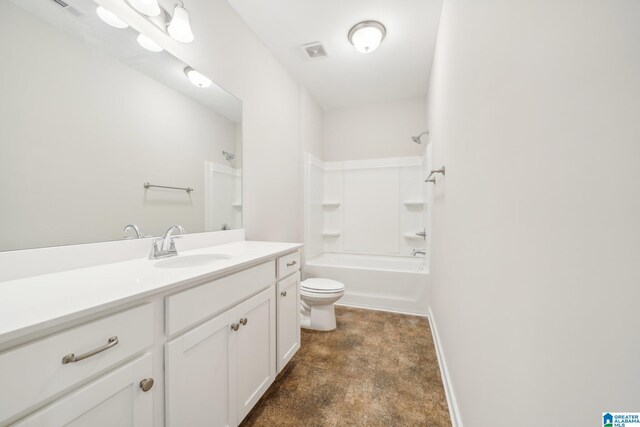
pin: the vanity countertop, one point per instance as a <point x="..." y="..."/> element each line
<point x="31" y="304"/>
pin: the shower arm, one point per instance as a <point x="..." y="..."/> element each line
<point x="435" y="171"/>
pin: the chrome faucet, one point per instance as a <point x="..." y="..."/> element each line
<point x="167" y="245"/>
<point x="135" y="229"/>
<point x="417" y="252"/>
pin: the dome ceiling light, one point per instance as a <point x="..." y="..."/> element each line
<point x="367" y="36"/>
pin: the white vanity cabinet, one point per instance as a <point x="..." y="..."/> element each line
<point x="221" y="339"/>
<point x="216" y="372"/>
<point x="123" y="398"/>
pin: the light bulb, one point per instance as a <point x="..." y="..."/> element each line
<point x="367" y="36"/>
<point x="179" y="27"/>
<point x="110" y="18"/>
<point x="148" y="44"/>
<point x="148" y="7"/>
<point x="196" y="78"/>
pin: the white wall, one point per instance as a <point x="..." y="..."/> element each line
<point x="375" y="130"/>
<point x="534" y="111"/>
<point x="311" y="124"/>
<point x="76" y="151"/>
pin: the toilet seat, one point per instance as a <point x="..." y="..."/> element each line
<point x="322" y="286"/>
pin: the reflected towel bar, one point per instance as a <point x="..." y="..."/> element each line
<point x="187" y="189"/>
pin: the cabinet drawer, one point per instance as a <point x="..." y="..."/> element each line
<point x="288" y="264"/>
<point x="115" y="399"/>
<point x="36" y="371"/>
<point x="188" y="308"/>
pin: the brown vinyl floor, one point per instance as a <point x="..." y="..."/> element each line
<point x="375" y="369"/>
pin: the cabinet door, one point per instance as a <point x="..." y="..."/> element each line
<point x="115" y="399"/>
<point x="198" y="368"/>
<point x="255" y="347"/>
<point x="288" y="296"/>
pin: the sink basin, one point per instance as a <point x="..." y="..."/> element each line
<point x="187" y="261"/>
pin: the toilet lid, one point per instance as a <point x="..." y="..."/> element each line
<point x="322" y="285"/>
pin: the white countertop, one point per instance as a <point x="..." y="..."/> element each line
<point x="34" y="303"/>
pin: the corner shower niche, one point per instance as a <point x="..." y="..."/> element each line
<point x="372" y="207"/>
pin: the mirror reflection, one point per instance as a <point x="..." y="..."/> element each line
<point x="97" y="132"/>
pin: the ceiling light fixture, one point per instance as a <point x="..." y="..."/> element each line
<point x="367" y="36"/>
<point x="110" y="18"/>
<point x="196" y="78"/>
<point x="148" y="7"/>
<point x="148" y="44"/>
<point x="179" y="27"/>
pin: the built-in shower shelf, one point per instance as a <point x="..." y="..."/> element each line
<point x="414" y="203"/>
<point x="412" y="236"/>
<point x="330" y="204"/>
<point x="330" y="234"/>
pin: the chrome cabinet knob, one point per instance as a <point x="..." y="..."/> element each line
<point x="243" y="321"/>
<point x="235" y="326"/>
<point x="146" y="384"/>
<point x="283" y="293"/>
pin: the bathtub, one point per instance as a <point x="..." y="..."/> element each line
<point x="379" y="282"/>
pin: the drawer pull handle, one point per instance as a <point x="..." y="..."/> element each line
<point x="283" y="293"/>
<point x="72" y="358"/>
<point x="235" y="326"/>
<point x="243" y="321"/>
<point x="146" y="384"/>
<point x="292" y="263"/>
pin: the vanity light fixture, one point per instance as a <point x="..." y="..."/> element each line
<point x="148" y="7"/>
<point x="179" y="27"/>
<point x="366" y="36"/>
<point x="148" y="44"/>
<point x="196" y="78"/>
<point x="110" y="18"/>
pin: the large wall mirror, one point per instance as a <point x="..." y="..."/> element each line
<point x="88" y="117"/>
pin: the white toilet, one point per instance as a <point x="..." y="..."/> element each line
<point x="317" y="297"/>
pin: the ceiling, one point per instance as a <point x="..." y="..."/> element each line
<point x="398" y="69"/>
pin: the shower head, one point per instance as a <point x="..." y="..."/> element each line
<point x="417" y="140"/>
<point x="228" y="156"/>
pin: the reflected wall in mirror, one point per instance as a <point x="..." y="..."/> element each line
<point x="87" y="117"/>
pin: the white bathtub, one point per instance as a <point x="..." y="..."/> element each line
<point x="380" y="282"/>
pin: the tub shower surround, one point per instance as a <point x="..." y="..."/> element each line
<point x="364" y="219"/>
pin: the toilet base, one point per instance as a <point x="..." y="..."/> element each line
<point x="319" y="318"/>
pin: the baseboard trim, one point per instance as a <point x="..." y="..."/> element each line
<point x="364" y="307"/>
<point x="454" y="412"/>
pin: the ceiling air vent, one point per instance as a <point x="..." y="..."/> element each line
<point x="67" y="8"/>
<point x="61" y="3"/>
<point x="314" y="50"/>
